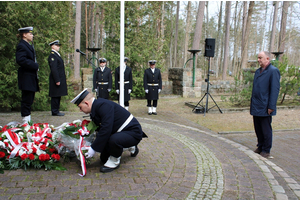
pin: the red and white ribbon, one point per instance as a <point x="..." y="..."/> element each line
<point x="82" y="158"/>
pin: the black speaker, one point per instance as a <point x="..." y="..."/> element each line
<point x="209" y="47"/>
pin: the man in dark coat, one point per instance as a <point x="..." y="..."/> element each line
<point x="266" y="85"/>
<point x="102" y="80"/>
<point x="57" y="78"/>
<point x="27" y="72"/>
<point x="152" y="86"/>
<point x="127" y="82"/>
<point x="118" y="129"/>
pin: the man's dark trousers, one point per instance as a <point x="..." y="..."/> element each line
<point x="263" y="130"/>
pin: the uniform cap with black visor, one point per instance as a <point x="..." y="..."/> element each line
<point x="152" y="62"/>
<point x="79" y="98"/>
<point x="56" y="42"/>
<point x="26" y="29"/>
<point x="102" y="60"/>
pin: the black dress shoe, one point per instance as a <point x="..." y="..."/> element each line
<point x="154" y="113"/>
<point x="135" y="152"/>
<point x="104" y="169"/>
<point x="149" y="113"/>
<point x="58" y="114"/>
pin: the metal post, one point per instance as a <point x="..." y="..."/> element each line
<point x="194" y="55"/>
<point x="121" y="97"/>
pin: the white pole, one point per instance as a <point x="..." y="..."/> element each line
<point x="122" y="67"/>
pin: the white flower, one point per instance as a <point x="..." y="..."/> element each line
<point x="27" y="128"/>
<point x="2" y="145"/>
<point x="21" y="134"/>
<point x="21" y="152"/>
<point x="6" y="140"/>
<point x="39" y="151"/>
<point x="77" y="121"/>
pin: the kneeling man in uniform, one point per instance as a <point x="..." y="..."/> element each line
<point x="118" y="129"/>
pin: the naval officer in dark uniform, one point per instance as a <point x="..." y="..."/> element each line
<point x="127" y="82"/>
<point x="118" y="129"/>
<point x="27" y="72"/>
<point x="152" y="86"/>
<point x="57" y="78"/>
<point x="102" y="80"/>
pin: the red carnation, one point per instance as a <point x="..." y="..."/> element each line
<point x="43" y="147"/>
<point x="85" y="122"/>
<point x="6" y="144"/>
<point x="2" y="154"/>
<point x="31" y="156"/>
<point x="52" y="150"/>
<point x="33" y="150"/>
<point x="1" y="138"/>
<point x="55" y="156"/>
<point x="42" y="157"/>
<point x="24" y="156"/>
<point x="47" y="157"/>
<point x="49" y="135"/>
<point x="36" y="143"/>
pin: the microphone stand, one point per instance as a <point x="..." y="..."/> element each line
<point x="88" y="60"/>
<point x="83" y="55"/>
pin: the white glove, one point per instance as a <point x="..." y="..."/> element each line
<point x="108" y="90"/>
<point x="90" y="153"/>
<point x="95" y="90"/>
<point x="159" y="90"/>
<point x="147" y="91"/>
<point x="118" y="91"/>
<point x="129" y="91"/>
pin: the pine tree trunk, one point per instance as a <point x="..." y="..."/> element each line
<point x="226" y="48"/>
<point x="77" y="41"/>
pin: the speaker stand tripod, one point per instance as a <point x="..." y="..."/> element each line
<point x="206" y="109"/>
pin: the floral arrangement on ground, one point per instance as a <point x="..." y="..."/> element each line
<point x="42" y="145"/>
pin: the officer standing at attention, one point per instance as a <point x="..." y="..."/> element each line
<point x="152" y="86"/>
<point x="102" y="80"/>
<point x="118" y="129"/>
<point x="57" y="78"/>
<point x="27" y="72"/>
<point x="127" y="82"/>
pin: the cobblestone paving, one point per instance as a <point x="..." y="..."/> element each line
<point x="177" y="161"/>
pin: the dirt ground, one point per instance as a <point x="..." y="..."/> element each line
<point x="214" y="120"/>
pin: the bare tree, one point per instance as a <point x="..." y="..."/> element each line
<point x="198" y="28"/>
<point x="245" y="15"/>
<point x="244" y="58"/>
<point x="219" y="36"/>
<point x="226" y="48"/>
<point x="275" y="4"/>
<point x="176" y="34"/>
<point x="92" y="24"/>
<point x="187" y="31"/>
<point x="77" y="40"/>
<point x="263" y="28"/>
<point x="86" y="29"/>
<point x="97" y="32"/>
<point x="283" y="26"/>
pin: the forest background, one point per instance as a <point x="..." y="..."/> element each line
<point x="160" y="30"/>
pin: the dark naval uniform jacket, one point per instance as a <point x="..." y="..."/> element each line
<point x="152" y="82"/>
<point x="27" y="72"/>
<point x="57" y="74"/>
<point x="266" y="86"/>
<point x="110" y="116"/>
<point x="127" y="81"/>
<point x="102" y="81"/>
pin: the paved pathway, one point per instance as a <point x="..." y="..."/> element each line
<point x="177" y="161"/>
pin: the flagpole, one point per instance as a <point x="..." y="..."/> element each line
<point x="122" y="67"/>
